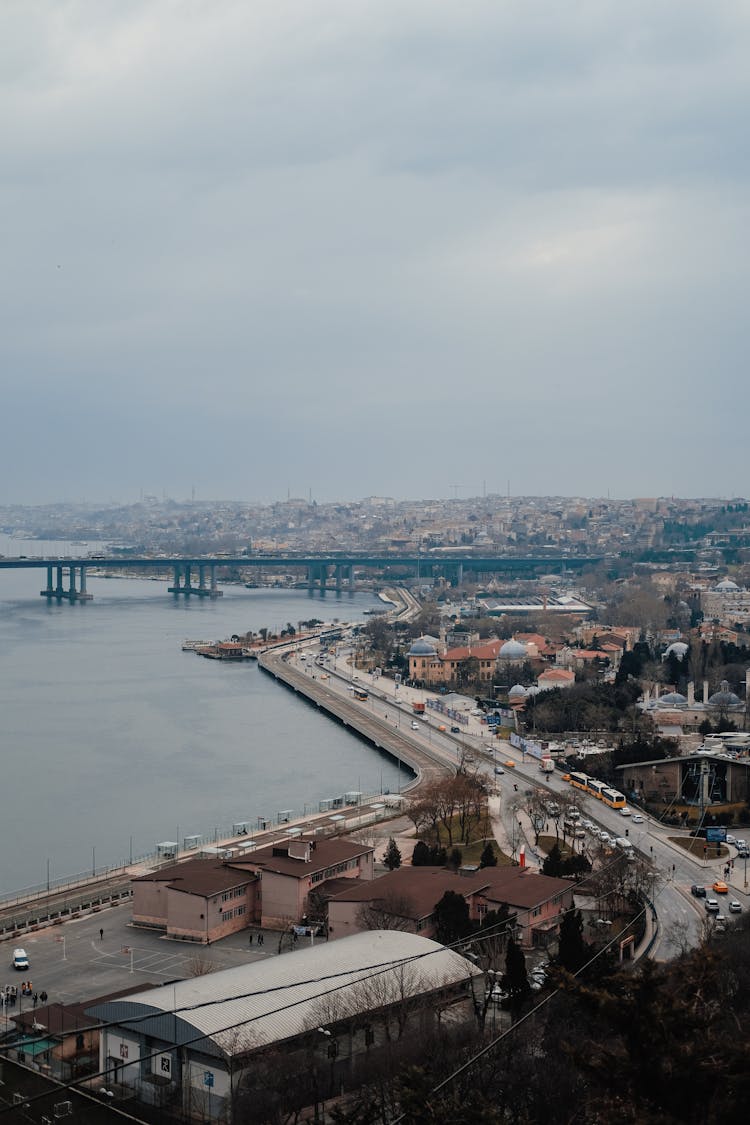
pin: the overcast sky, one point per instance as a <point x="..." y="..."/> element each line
<point x="353" y="247"/>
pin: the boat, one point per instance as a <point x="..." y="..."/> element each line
<point x="193" y="646"/>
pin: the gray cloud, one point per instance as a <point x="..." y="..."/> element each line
<point x="338" y="236"/>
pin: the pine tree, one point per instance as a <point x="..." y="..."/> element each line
<point x="392" y="857"/>
<point x="571" y="951"/>
<point x="488" y="857"/>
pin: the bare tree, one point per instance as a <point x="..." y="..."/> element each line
<point x="391" y="912"/>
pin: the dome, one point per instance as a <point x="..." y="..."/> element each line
<point x="726" y="586"/>
<point x="673" y="699"/>
<point x="678" y="649"/>
<point x="512" y="650"/>
<point x="518" y="691"/>
<point x="724" y="697"/>
<point x="421" y="647"/>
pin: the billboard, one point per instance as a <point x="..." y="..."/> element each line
<point x="716" y="835"/>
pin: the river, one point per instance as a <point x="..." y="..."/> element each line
<point x="114" y="740"/>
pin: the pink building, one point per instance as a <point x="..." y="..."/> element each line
<point x="199" y="900"/>
<point x="412" y="893"/>
<point x="206" y="899"/>
<point x="290" y="872"/>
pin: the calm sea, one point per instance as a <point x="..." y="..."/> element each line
<point x="114" y="740"/>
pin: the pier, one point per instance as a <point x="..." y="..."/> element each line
<point x="184" y="571"/>
<point x="59" y="590"/>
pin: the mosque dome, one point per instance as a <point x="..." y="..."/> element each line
<point x="512" y="650"/>
<point x="724" y="697"/>
<point x="678" y="649"/>
<point x="673" y="699"/>
<point x="518" y="691"/>
<point x="421" y="647"/>
<point x="726" y="586"/>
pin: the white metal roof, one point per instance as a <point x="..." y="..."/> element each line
<point x="285" y="996"/>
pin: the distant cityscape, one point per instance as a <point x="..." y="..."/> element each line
<point x="705" y="531"/>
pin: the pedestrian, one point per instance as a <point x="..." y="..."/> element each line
<point x="101" y="935"/>
<point x="43" y="996"/>
<point x="294" y="937"/>
<point x="34" y="1000"/>
<point x="260" y="939"/>
<point x="250" y="939"/>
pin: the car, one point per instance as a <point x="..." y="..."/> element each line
<point x="624" y="811"/>
<point x="587" y="824"/>
<point x="735" y="907"/>
<point x="741" y="845"/>
<point x="730" y="839"/>
<point x="509" y="765"/>
<point x="697" y="891"/>
<point x="20" y="960"/>
<point x="711" y="905"/>
<point x="414" y="724"/>
<point x="455" y="730"/>
<point x="442" y="727"/>
<point x="720" y="887"/>
<point x="499" y="769"/>
<point x="637" y="818"/>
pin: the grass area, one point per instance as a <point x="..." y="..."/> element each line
<point x="694" y="845"/>
<point x="547" y="843"/>
<point x="472" y="853"/>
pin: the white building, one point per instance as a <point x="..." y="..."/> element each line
<point x="192" y="1044"/>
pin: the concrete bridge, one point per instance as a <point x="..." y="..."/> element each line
<point x="66" y="577"/>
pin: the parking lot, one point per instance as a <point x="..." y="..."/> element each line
<point x="101" y="953"/>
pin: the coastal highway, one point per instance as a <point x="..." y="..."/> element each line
<point x="392" y="734"/>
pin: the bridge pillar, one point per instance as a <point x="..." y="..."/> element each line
<point x="460" y="574"/>
<point x="323" y="577"/>
<point x="310" y="577"/>
<point x="215" y="592"/>
<point x="201" y="578"/>
<point x="188" y="589"/>
<point x="72" y="583"/>
<point x="177" y="572"/>
<point x="59" y="592"/>
<point x="350" y="576"/>
<point x="50" y="589"/>
<point x="339" y="576"/>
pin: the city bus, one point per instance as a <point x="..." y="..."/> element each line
<point x="579" y="781"/>
<point x="361" y="694"/>
<point x="614" y="799"/>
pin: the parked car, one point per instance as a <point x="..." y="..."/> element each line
<point x="735" y="907"/>
<point x="712" y="906"/>
<point x="720" y="887"/>
<point x="741" y="845"/>
<point x="698" y="891"/>
<point x="730" y="839"/>
<point x="20" y="960"/>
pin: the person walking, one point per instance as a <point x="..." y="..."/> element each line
<point x="101" y="935"/>
<point x="250" y="940"/>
